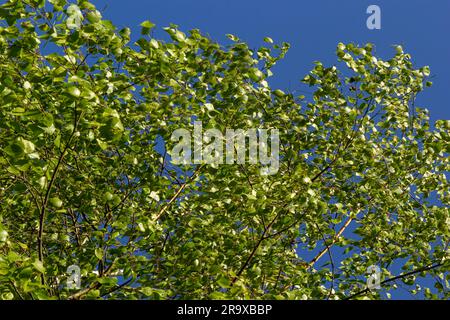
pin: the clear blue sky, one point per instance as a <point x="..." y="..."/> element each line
<point x="313" y="28"/>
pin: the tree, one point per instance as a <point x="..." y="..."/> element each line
<point x="86" y="178"/>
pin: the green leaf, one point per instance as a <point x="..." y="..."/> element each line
<point x="3" y="235"/>
<point x="93" y="16"/>
<point x="209" y="106"/>
<point x="223" y="282"/>
<point x="256" y="74"/>
<point x="103" y="145"/>
<point x="99" y="253"/>
<point x="39" y="266"/>
<point x="279" y="93"/>
<point x="146" y="27"/>
<point x="56" y="202"/>
<point x="74" y="91"/>
<point x="27" y="146"/>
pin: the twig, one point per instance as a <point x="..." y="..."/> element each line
<point x="398" y="277"/>
<point x="175" y="196"/>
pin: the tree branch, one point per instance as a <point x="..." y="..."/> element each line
<point x="47" y="195"/>
<point x="397" y="278"/>
<point x="328" y="246"/>
<point x="175" y="196"/>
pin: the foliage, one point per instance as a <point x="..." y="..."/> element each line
<point x="85" y="179"/>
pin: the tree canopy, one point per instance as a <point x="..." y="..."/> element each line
<point x="86" y="178"/>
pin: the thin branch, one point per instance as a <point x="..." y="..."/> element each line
<point x="47" y="195"/>
<point x="117" y="287"/>
<point x="95" y="285"/>
<point x="78" y="295"/>
<point x="419" y="270"/>
<point x="16" y="290"/>
<point x="327" y="247"/>
<point x="175" y="196"/>
<point x="255" y="248"/>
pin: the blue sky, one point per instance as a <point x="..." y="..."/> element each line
<point x="313" y="28"/>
